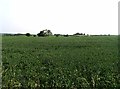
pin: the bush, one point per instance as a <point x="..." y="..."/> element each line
<point x="27" y="34"/>
<point x="66" y="35"/>
<point x="56" y="35"/>
<point x="41" y="33"/>
<point x="34" y="35"/>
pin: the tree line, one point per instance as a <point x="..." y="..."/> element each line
<point x="46" y="32"/>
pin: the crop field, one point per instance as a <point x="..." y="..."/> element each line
<point x="60" y="62"/>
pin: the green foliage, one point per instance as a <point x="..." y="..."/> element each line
<point x="45" y="33"/>
<point x="27" y="34"/>
<point x="72" y="62"/>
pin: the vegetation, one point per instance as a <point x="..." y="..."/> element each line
<point x="72" y="62"/>
<point x="79" y="34"/>
<point x="45" y="33"/>
<point x="28" y="34"/>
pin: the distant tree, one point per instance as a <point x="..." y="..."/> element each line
<point x="27" y="34"/>
<point x="56" y="35"/>
<point x="45" y="33"/>
<point x="19" y="34"/>
<point x="41" y="33"/>
<point x="34" y="35"/>
<point x="87" y="34"/>
<point x="66" y="35"/>
<point x="48" y="31"/>
<point x="79" y="34"/>
<point x="8" y="34"/>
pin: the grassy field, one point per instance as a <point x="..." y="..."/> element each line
<point x="72" y="62"/>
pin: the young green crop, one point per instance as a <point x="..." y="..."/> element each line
<point x="72" y="62"/>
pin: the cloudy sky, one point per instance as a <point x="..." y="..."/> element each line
<point x="60" y="16"/>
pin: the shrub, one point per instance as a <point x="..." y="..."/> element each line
<point x="34" y="35"/>
<point x="27" y="34"/>
<point x="66" y="35"/>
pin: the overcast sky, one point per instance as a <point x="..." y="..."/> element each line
<point x="59" y="16"/>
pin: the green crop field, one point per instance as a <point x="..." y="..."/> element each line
<point x="60" y="62"/>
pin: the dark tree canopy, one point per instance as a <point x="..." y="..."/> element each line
<point x="45" y="33"/>
<point x="41" y="33"/>
<point x="27" y="34"/>
<point x="79" y="34"/>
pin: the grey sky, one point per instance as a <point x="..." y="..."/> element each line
<point x="60" y="16"/>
